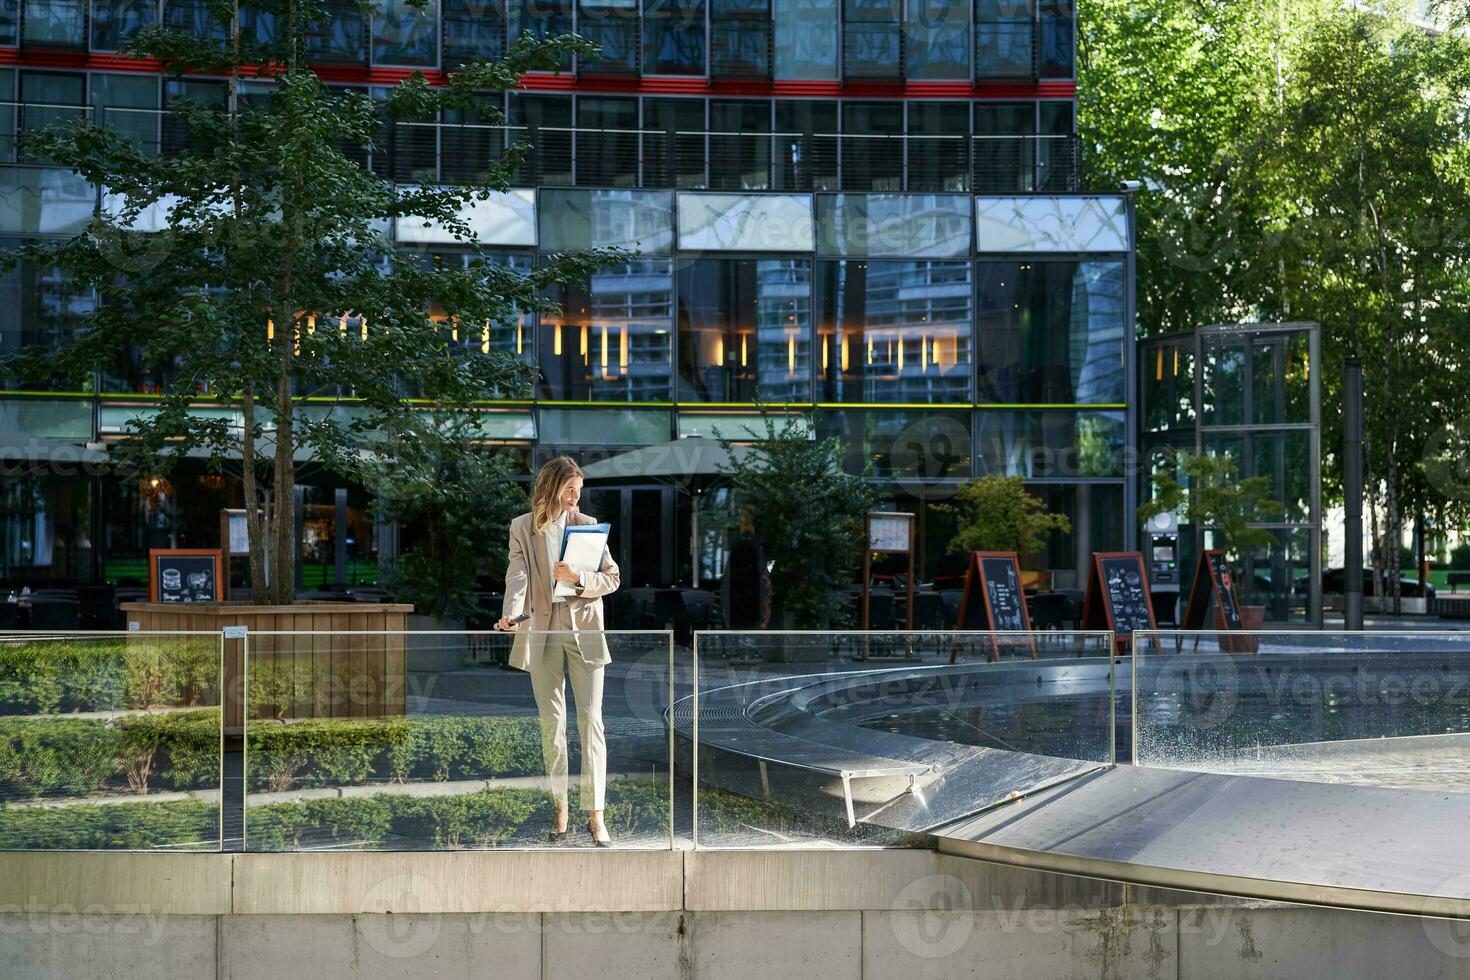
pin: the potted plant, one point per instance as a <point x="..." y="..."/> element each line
<point x="996" y="513"/>
<point x="1212" y="496"/>
<point x="256" y="258"/>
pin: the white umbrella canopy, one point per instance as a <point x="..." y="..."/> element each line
<point x="670" y="462"/>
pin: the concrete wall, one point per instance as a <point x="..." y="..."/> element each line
<point x="768" y="915"/>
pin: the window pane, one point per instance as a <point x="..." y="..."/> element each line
<point x="806" y="39"/>
<point x="745" y="330"/>
<point x="806" y="147"/>
<point x="47" y="98"/>
<point x="1050" y="333"/>
<point x="406" y="35"/>
<point x="575" y="220"/>
<point x="612" y="341"/>
<point x="114" y="21"/>
<point x="740" y="38"/>
<point x="174" y="129"/>
<point x="543" y="18"/>
<point x="872" y="155"/>
<point x="193" y="17"/>
<point x="938" y="152"/>
<point x="1003" y="38"/>
<point x="1058" y="24"/>
<point x="922" y="444"/>
<point x="872" y="39"/>
<point x="673" y="37"/>
<point x="39" y="307"/>
<point x="128" y="104"/>
<point x="339" y="36"/>
<point x="472" y="29"/>
<point x="544" y="121"/>
<point x="893" y="331"/>
<point x="9" y="21"/>
<point x="607" y="142"/>
<point x="56" y="23"/>
<point x="938" y="39"/>
<point x="740" y="145"/>
<point x="677" y="153"/>
<point x="613" y="25"/>
<point x="1051" y="445"/>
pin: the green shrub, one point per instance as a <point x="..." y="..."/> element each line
<point x="132" y="826"/>
<point x="1460" y="557"/>
<point x="43" y="676"/>
<point x="56" y="756"/>
<point x="181" y="748"/>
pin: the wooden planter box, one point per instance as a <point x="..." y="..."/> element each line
<point x="324" y="673"/>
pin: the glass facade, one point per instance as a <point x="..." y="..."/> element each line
<point x="910" y="270"/>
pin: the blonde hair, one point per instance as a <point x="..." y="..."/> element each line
<point x="554" y="475"/>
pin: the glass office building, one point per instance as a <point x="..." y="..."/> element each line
<point x="870" y="213"/>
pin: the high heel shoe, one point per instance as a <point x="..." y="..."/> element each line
<point x="598" y="841"/>
<point x="558" y="836"/>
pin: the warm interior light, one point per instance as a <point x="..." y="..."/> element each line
<point x="719" y="356"/>
<point x="485" y="338"/>
<point x="742" y="350"/>
<point x="842" y="357"/>
<point x="270" y="330"/>
<point x="583" y="348"/>
<point x="900" y="355"/>
<point x="311" y="323"/>
<point x="1176" y="362"/>
<point x="824" y="353"/>
<point x="520" y="323"/>
<point x="604" y="350"/>
<point x="362" y="329"/>
<point x="1159" y="366"/>
<point x="556" y="339"/>
<point x="791" y="353"/>
<point x="923" y="352"/>
<point x="870" y="350"/>
<point x="454" y="329"/>
<point x="623" y="348"/>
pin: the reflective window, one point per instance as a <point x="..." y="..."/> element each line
<point x="405" y="34"/>
<point x="9" y="21"/>
<point x="544" y="121"/>
<point x="745" y="330"/>
<point x="1050" y="445"/>
<point x="1058" y="20"/>
<point x="893" y="331"/>
<point x="39" y="307"/>
<point x="805" y="151"/>
<point x="806" y="39"/>
<point x="872" y="39"/>
<point x="55" y="23"/>
<point x="872" y="152"/>
<point x="739" y="145"/>
<point x="543" y="18"/>
<point x="938" y="146"/>
<point x="613" y="338"/>
<point x="914" y="444"/>
<point x="576" y="220"/>
<point x="339" y="35"/>
<point x="675" y="153"/>
<point x="1005" y="150"/>
<point x="608" y="142"/>
<point x="128" y="104"/>
<point x="613" y="26"/>
<point x="1003" y="35"/>
<point x="472" y="29"/>
<point x="938" y="39"/>
<point x="1050" y="333"/>
<point x="177" y="94"/>
<point x="194" y="17"/>
<point x="50" y="99"/>
<point x="673" y="37"/>
<point x="740" y="38"/>
<point x="114" y="21"/>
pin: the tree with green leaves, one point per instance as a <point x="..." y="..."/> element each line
<point x="1211" y="495"/>
<point x="996" y="513"/>
<point x="807" y="515"/>
<point x="455" y="499"/>
<point x="274" y="290"/>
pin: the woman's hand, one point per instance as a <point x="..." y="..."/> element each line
<point x="506" y="623"/>
<point x="563" y="572"/>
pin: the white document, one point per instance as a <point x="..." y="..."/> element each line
<point x="582" y="546"/>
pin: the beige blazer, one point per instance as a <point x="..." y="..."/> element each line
<point x="528" y="590"/>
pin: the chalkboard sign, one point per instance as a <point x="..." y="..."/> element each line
<point x="184" y="574"/>
<point x="995" y="600"/>
<point x="1212" y="580"/>
<point x="1117" y="595"/>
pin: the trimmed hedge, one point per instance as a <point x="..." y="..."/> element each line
<point x="96" y="827"/>
<point x="346" y="752"/>
<point x="44" y="676"/>
<point x="80" y="756"/>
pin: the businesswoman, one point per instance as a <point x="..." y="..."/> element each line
<point x="575" y="646"/>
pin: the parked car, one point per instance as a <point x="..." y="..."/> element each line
<point x="1333" y="578"/>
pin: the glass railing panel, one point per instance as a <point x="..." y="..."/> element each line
<point x="861" y="739"/>
<point x="435" y="741"/>
<point x="110" y="741"/>
<point x="1375" y="708"/>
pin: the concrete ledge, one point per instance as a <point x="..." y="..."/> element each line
<point x="102" y="882"/>
<point x="877" y="880"/>
<point x="458" y="881"/>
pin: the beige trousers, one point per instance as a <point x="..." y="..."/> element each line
<point x="560" y="658"/>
